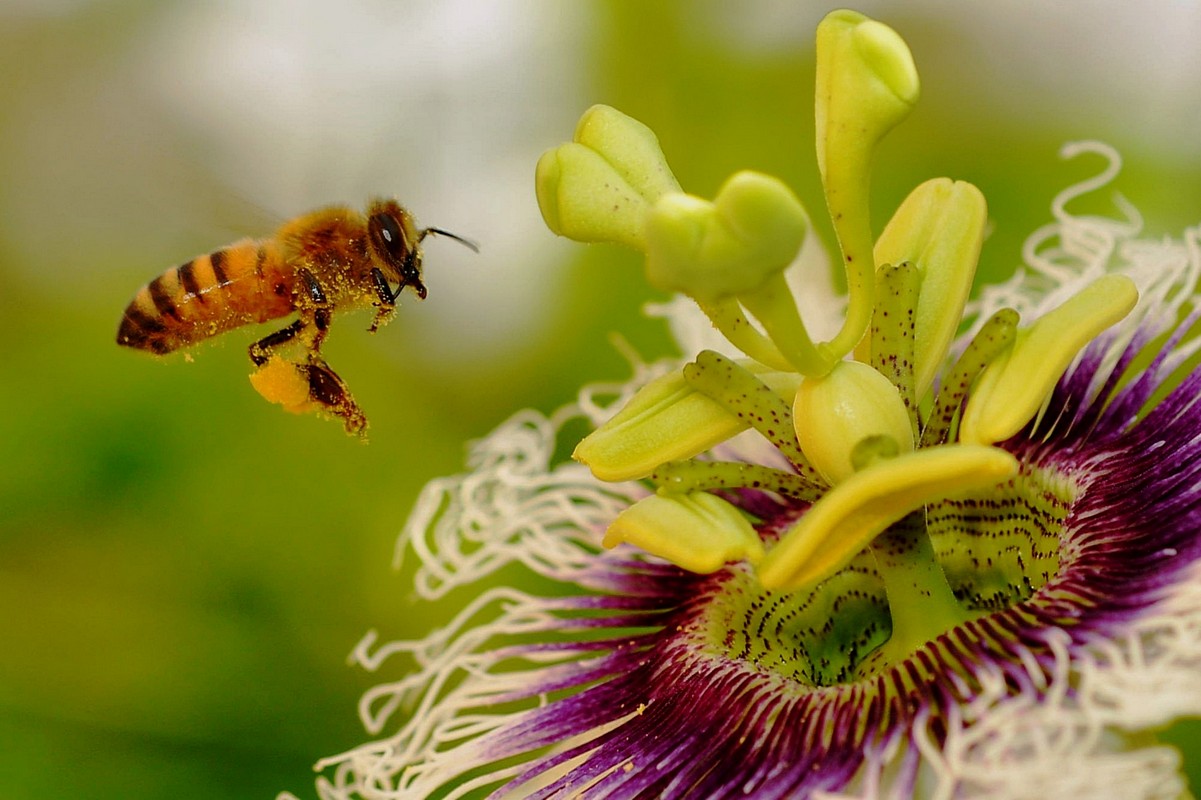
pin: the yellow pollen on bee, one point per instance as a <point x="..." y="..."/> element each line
<point x="279" y="381"/>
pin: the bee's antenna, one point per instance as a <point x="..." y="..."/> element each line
<point x="438" y="231"/>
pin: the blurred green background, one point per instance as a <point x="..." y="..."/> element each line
<point x="183" y="567"/>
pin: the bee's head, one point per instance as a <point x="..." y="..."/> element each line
<point x="395" y="244"/>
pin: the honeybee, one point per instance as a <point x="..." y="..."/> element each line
<point x="334" y="259"/>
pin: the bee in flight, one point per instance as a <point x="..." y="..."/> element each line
<point x="330" y="260"/>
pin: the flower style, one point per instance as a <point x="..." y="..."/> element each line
<point x="951" y="551"/>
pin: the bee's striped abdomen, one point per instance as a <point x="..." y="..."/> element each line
<point x="240" y="284"/>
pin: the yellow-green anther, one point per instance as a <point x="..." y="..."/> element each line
<point x="866" y="84"/>
<point x="1014" y="387"/>
<point x="667" y="420"/>
<point x="855" y="511"/>
<point x="698" y="531"/>
<point x="832" y="414"/>
<point x="995" y="336"/>
<point x="939" y="230"/>
<point x="599" y="187"/>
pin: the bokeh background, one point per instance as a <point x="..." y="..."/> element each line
<point x="184" y="568"/>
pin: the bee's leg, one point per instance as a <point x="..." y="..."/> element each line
<point x="386" y="299"/>
<point x="260" y="351"/>
<point x="327" y="389"/>
<point x="317" y="311"/>
<point x="315" y="315"/>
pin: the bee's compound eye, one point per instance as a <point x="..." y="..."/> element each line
<point x="389" y="238"/>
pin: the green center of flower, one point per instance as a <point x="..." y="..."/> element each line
<point x="991" y="549"/>
<point x="876" y="446"/>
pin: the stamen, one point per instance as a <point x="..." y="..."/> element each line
<point x="1013" y="387"/>
<point x="993" y="338"/>
<point x="856" y="510"/>
<point x="697" y="531"/>
<point x="939" y="229"/>
<point x="671" y="419"/>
